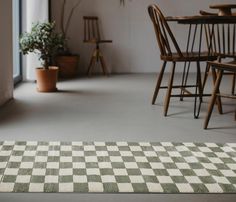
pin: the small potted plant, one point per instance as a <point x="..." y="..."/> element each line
<point x="45" y="42"/>
<point x="65" y="60"/>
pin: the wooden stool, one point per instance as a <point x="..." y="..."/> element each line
<point x="92" y="36"/>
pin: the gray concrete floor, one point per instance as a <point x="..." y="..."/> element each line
<point x="116" y="108"/>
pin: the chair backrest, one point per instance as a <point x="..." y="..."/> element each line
<point x="91" y="29"/>
<point x="165" y="38"/>
<point x="223" y="39"/>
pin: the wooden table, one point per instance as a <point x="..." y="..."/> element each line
<point x="224" y="9"/>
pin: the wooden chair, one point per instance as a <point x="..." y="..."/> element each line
<point x="92" y="36"/>
<point x="222" y="42"/>
<point x="221" y="67"/>
<point x="171" y="52"/>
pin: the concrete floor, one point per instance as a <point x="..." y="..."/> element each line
<point x="116" y="108"/>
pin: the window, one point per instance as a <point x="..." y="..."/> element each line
<point x="17" y="73"/>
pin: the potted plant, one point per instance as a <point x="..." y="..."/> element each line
<point x="45" y="42"/>
<point x="65" y="60"/>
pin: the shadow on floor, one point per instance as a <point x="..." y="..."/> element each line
<point x="13" y="110"/>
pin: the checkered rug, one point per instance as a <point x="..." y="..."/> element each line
<point x="117" y="167"/>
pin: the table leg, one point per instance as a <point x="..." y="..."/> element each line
<point x="198" y="92"/>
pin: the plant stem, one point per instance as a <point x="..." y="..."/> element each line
<point x="122" y="2"/>
<point x="70" y="16"/>
<point x="62" y="17"/>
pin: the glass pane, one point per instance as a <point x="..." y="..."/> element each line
<point x="16" y="34"/>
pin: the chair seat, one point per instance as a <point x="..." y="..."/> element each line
<point x="95" y="41"/>
<point x="229" y="66"/>
<point x="225" y="55"/>
<point x="193" y="56"/>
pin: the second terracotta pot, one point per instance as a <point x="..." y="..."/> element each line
<point x="68" y="66"/>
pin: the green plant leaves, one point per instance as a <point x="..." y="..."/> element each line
<point x="42" y="40"/>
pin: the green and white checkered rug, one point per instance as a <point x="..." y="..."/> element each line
<point x="117" y="167"/>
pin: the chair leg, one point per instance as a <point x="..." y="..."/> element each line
<point x="169" y="90"/>
<point x="213" y="98"/>
<point x="103" y="64"/>
<point x="159" y="80"/>
<point x="184" y="79"/>
<point x="205" y="76"/>
<point x="218" y="99"/>
<point x="92" y="62"/>
<point x="233" y="84"/>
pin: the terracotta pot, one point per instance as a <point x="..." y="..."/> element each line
<point x="68" y="66"/>
<point x="47" y="79"/>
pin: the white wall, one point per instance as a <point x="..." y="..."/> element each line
<point x="6" y="54"/>
<point x="134" y="47"/>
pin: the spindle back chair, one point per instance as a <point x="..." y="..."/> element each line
<point x="222" y="43"/>
<point x="170" y="52"/>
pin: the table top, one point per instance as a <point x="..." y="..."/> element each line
<point x="203" y="19"/>
<point x="219" y="6"/>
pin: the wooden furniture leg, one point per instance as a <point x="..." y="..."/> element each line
<point x="184" y="79"/>
<point x="233" y="84"/>
<point x="200" y="86"/>
<point x="103" y="64"/>
<point x="169" y="90"/>
<point x="198" y="92"/>
<point x="206" y="76"/>
<point x="213" y="98"/>
<point x="159" y="80"/>
<point x="92" y="62"/>
<point x="218" y="99"/>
